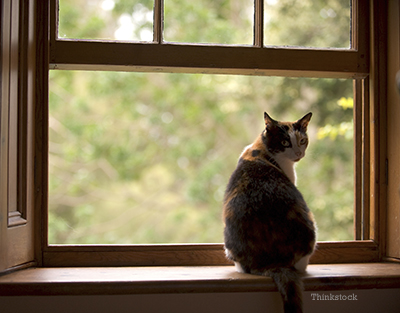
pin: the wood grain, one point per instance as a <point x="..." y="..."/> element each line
<point x="95" y="55"/>
<point x="191" y="255"/>
<point x="393" y="115"/>
<point x="150" y="280"/>
<point x="18" y="93"/>
<point x="378" y="119"/>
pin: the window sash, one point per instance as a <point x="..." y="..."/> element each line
<point x="244" y="60"/>
<point x="258" y="59"/>
<point x="357" y="7"/>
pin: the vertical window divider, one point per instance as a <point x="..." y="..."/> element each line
<point x="365" y="235"/>
<point x="47" y="23"/>
<point x="358" y="159"/>
<point x="361" y="159"/>
<point x="54" y="15"/>
<point x="353" y="24"/>
<point x="258" y="39"/>
<point x="158" y="27"/>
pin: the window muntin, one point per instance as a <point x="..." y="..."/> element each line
<point x="139" y="158"/>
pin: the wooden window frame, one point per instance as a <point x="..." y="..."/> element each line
<point x="364" y="62"/>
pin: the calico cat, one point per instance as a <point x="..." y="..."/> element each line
<point x="269" y="229"/>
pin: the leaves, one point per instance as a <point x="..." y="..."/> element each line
<point x="344" y="129"/>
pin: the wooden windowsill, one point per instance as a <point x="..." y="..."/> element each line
<point x="195" y="279"/>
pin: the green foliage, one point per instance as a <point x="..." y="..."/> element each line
<point x="307" y="23"/>
<point x="343" y="129"/>
<point x="145" y="157"/>
<point x="185" y="21"/>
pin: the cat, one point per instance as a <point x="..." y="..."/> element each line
<point x="269" y="229"/>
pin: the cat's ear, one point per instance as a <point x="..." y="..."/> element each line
<point x="269" y="122"/>
<point x="305" y="120"/>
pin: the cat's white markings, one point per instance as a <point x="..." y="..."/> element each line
<point x="287" y="166"/>
<point x="295" y="146"/>
<point x="301" y="265"/>
<point x="287" y="158"/>
<point x="239" y="267"/>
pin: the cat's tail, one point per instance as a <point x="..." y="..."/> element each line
<point x="290" y="286"/>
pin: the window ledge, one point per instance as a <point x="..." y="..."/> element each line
<point x="195" y="279"/>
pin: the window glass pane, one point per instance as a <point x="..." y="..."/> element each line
<point x="209" y="21"/>
<point x="145" y="157"/>
<point x="106" y="19"/>
<point x="307" y="23"/>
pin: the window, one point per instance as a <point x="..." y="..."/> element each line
<point x="145" y="157"/>
<point x="253" y="59"/>
<point x="222" y="58"/>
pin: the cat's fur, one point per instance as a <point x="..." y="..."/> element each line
<point x="269" y="229"/>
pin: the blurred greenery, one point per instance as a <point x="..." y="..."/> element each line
<point x="145" y="157"/>
<point x="187" y="23"/>
<point x="311" y="23"/>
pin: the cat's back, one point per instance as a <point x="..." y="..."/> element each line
<point x="258" y="179"/>
<point x="262" y="209"/>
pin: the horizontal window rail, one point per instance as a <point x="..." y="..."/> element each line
<point x="190" y="254"/>
<point x="94" y="55"/>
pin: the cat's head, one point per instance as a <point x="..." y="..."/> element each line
<point x="286" y="139"/>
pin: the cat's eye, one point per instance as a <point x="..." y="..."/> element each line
<point x="285" y="143"/>
<point x="303" y="141"/>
